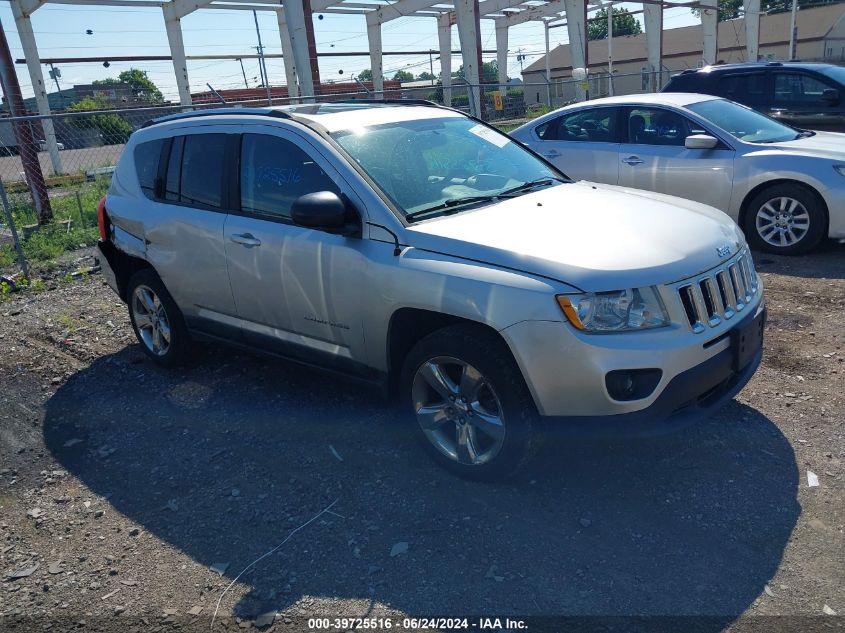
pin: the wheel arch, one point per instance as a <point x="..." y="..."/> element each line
<point x="124" y="266"/>
<point x="407" y="326"/>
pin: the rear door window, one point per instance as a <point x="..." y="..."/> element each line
<point x="595" y="125"/>
<point x="747" y="88"/>
<point x="147" y="158"/>
<point x="202" y="171"/>
<point x="195" y="171"/>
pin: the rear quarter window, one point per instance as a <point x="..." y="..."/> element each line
<point x="147" y="156"/>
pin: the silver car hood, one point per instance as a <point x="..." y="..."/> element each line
<point x="592" y="236"/>
<point x="821" y="145"/>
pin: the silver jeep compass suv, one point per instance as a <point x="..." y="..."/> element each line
<point x="416" y="247"/>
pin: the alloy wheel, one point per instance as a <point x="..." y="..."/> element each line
<point x="151" y="320"/>
<point x="458" y="410"/>
<point x="782" y="221"/>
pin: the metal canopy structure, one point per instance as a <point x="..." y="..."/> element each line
<point x="296" y="32"/>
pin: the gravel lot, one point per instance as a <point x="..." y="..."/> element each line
<point x="132" y="496"/>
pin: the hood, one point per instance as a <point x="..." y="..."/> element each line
<point x="595" y="237"/>
<point x="821" y="145"/>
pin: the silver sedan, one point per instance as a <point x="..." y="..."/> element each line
<point x="785" y="187"/>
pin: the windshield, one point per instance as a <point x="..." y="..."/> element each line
<point x="743" y="123"/>
<point x="439" y="165"/>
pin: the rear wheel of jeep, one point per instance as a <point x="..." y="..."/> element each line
<point x="472" y="409"/>
<point x="156" y="319"/>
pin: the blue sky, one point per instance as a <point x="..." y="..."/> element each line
<point x="60" y="32"/>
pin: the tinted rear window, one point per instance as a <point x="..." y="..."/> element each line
<point x="745" y="88"/>
<point x="202" y="170"/>
<point x="195" y="170"/>
<point x="147" y="157"/>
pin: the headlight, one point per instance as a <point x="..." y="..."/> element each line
<point x="617" y="311"/>
<point x="840" y="169"/>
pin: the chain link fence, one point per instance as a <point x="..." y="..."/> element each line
<point x="53" y="195"/>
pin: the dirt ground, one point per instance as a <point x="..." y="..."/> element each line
<point x="132" y="497"/>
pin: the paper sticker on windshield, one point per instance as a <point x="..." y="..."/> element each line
<point x="499" y="140"/>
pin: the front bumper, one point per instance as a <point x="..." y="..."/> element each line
<point x="566" y="374"/>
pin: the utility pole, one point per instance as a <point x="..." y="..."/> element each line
<point x="55" y="73"/>
<point x="520" y="57"/>
<point x="431" y="65"/>
<point x="23" y="133"/>
<point x="793" y="32"/>
<point x="262" y="60"/>
<point x="246" y="83"/>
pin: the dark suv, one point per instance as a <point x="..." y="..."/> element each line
<point x="800" y="94"/>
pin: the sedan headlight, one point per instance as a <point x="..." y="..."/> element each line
<point x="617" y="311"/>
<point x="840" y="169"/>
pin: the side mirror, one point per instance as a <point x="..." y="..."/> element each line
<point x="831" y="95"/>
<point x="700" y="141"/>
<point x="325" y="211"/>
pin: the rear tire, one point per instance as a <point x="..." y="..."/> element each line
<point x="156" y="320"/>
<point x="470" y="406"/>
<point x="785" y="219"/>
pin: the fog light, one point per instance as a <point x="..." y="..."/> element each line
<point x="632" y="384"/>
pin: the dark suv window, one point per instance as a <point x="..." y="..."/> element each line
<point x="274" y="173"/>
<point x="799" y="88"/>
<point x="195" y="170"/>
<point x="147" y="157"/>
<point x="747" y="88"/>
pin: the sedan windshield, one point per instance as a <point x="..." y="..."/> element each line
<point x="743" y="123"/>
<point x="435" y="166"/>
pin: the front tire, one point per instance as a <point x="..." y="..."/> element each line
<point x="785" y="219"/>
<point x="156" y="320"/>
<point x="471" y="408"/>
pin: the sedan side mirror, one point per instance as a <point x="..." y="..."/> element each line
<point x="700" y="141"/>
<point x="325" y="211"/>
<point x="831" y="95"/>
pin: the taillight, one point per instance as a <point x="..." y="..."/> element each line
<point x="101" y="219"/>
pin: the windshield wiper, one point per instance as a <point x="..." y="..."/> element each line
<point x="451" y="203"/>
<point x="804" y="134"/>
<point x="527" y="186"/>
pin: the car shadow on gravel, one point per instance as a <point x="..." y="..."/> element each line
<point x="827" y="261"/>
<point x="223" y="458"/>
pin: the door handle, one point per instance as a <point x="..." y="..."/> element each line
<point x="632" y="160"/>
<point x="552" y="154"/>
<point x="245" y="239"/>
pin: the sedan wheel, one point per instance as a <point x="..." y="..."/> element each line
<point x="785" y="218"/>
<point x="458" y="410"/>
<point x="782" y="222"/>
<point x="151" y="319"/>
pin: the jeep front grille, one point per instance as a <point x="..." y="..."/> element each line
<point x="719" y="294"/>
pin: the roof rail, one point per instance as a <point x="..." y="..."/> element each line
<point x="271" y="112"/>
<point x="417" y="102"/>
<point x="774" y="64"/>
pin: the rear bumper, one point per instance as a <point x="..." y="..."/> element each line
<point x="108" y="258"/>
